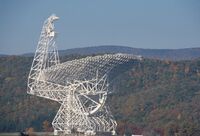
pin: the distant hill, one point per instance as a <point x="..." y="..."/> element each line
<point x="163" y="54"/>
<point x="3" y="55"/>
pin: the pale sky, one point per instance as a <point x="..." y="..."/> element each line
<point x="155" y="24"/>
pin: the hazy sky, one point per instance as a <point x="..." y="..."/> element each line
<point x="135" y="23"/>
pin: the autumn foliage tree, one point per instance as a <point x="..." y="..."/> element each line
<point x="46" y="126"/>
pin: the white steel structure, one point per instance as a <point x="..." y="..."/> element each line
<point x="80" y="86"/>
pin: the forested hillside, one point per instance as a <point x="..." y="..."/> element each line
<point x="150" y="97"/>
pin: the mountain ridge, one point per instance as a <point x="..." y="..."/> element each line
<point x="163" y="54"/>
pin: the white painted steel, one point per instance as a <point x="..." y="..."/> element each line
<point x="80" y="85"/>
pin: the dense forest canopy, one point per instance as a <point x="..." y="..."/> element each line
<point x="151" y="97"/>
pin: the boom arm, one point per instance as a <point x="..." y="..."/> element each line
<point x="46" y="54"/>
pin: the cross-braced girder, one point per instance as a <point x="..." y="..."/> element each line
<point x="80" y="85"/>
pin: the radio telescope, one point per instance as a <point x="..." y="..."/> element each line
<point x="80" y="85"/>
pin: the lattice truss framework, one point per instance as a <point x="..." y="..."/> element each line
<point x="80" y="85"/>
